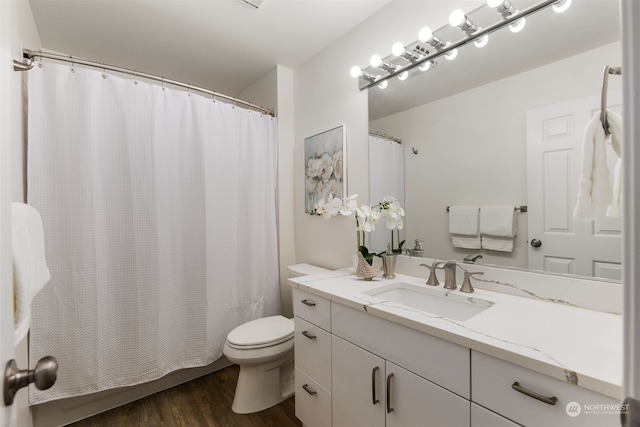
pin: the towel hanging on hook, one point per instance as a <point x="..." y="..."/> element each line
<point x="603" y="99"/>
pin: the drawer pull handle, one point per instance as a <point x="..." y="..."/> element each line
<point x="309" y="303"/>
<point x="309" y="335"/>
<point x="389" y="408"/>
<point x="548" y="400"/>
<point x="309" y="390"/>
<point x="373" y="385"/>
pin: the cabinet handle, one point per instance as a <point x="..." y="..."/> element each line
<point x="389" y="408"/>
<point x="309" y="303"/>
<point x="373" y="385"/>
<point x="548" y="400"/>
<point x="309" y="335"/>
<point x="309" y="390"/>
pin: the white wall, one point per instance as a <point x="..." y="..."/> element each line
<point x="326" y="96"/>
<point x="275" y="91"/>
<point x="472" y="147"/>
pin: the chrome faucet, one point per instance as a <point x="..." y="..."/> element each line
<point x="471" y="258"/>
<point x="449" y="274"/>
<point x="466" y="282"/>
<point x="433" y="279"/>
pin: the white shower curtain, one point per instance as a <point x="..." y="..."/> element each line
<point x="160" y="226"/>
<point x="386" y="178"/>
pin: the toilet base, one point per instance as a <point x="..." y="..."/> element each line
<point x="262" y="386"/>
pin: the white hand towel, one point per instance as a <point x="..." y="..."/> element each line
<point x="463" y="226"/>
<point x="30" y="271"/>
<point x="615" y="127"/>
<point x="594" y="186"/>
<point x="498" y="227"/>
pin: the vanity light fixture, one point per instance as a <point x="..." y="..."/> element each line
<point x="418" y="56"/>
<point x="561" y="6"/>
<point x="506" y="9"/>
<point x="425" y="35"/>
<point x="459" y="19"/>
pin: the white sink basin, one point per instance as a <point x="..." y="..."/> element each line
<point x="451" y="305"/>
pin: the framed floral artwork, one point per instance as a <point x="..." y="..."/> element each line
<point x="324" y="170"/>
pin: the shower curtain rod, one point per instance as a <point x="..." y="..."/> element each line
<point x="30" y="54"/>
<point x="384" y="136"/>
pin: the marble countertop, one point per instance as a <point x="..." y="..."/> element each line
<point x="557" y="340"/>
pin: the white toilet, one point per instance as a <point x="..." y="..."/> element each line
<point x="264" y="350"/>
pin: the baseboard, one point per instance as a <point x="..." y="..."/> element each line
<point x="65" y="411"/>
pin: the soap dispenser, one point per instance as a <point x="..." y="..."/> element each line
<point x="417" y="250"/>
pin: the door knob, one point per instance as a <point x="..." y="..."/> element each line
<point x="536" y="243"/>
<point x="44" y="376"/>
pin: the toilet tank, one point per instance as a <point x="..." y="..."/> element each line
<point x="298" y="270"/>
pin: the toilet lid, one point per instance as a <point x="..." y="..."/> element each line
<point x="265" y="331"/>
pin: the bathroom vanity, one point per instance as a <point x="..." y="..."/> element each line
<point x="400" y="353"/>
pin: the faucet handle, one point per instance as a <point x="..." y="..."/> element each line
<point x="433" y="279"/>
<point x="466" y="282"/>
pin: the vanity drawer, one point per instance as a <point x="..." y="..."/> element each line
<point x="313" y="402"/>
<point x="435" y="359"/>
<point x="492" y="383"/>
<point x="312" y="346"/>
<point x="312" y="308"/>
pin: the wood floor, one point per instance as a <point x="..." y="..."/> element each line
<point x="205" y="401"/>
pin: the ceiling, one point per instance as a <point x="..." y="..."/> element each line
<point x="222" y="45"/>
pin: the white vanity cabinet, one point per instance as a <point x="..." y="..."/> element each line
<point x="369" y="391"/>
<point x="482" y="417"/>
<point x="312" y="347"/>
<point x="372" y="385"/>
<point x="533" y="399"/>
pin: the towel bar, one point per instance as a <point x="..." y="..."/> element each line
<point x="522" y="208"/>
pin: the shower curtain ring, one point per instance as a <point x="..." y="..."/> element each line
<point x="135" y="77"/>
<point x="162" y="81"/>
<point x="104" y="76"/>
<point x="72" y="64"/>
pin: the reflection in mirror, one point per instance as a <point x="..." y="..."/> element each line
<point x="504" y="125"/>
<point x="386" y="178"/>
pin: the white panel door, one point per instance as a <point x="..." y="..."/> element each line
<point x="554" y="152"/>
<point x="7" y="413"/>
<point x="357" y="391"/>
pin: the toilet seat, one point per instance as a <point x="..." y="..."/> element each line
<point x="261" y="333"/>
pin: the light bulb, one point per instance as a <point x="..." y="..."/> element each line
<point x="398" y="49"/>
<point x="482" y="41"/>
<point x="383" y="84"/>
<point x="403" y="75"/>
<point x="375" y="61"/>
<point x="517" y="26"/>
<point x="457" y="18"/>
<point x="561" y="6"/>
<point x="451" y="55"/>
<point x="494" y="3"/>
<point x="425" y="34"/>
<point x="356" y="72"/>
<point x="425" y="66"/>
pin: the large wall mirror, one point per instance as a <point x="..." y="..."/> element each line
<point x="474" y="123"/>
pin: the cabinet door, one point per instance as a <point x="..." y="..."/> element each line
<point x="415" y="401"/>
<point x="357" y="392"/>
<point x="481" y="417"/>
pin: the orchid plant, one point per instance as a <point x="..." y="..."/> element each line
<point x="366" y="217"/>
